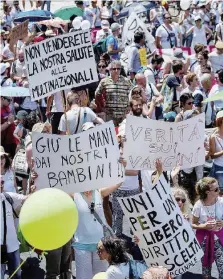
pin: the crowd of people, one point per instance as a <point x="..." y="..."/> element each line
<point x="170" y="90"/>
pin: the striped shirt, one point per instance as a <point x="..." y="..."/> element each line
<point x="115" y="95"/>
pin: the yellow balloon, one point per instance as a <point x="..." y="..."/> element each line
<point x="48" y="219"/>
<point x="100" y="275"/>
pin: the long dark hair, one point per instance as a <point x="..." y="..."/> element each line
<point x="116" y="248"/>
<point x="7" y="165"/>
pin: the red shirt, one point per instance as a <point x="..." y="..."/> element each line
<point x="7" y="135"/>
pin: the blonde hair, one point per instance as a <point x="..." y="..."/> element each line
<point x="178" y="191"/>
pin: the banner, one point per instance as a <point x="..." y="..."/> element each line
<point x="174" y="143"/>
<point x="59" y="63"/>
<point x="165" y="237"/>
<point x="131" y="26"/>
<point x="18" y="32"/>
<point x="80" y="162"/>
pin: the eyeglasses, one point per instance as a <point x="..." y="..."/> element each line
<point x="136" y="92"/>
<point x="179" y="199"/>
<point x="190" y="103"/>
<point x="101" y="66"/>
<point x="116" y="69"/>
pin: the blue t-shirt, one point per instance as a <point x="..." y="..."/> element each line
<point x="112" y="41"/>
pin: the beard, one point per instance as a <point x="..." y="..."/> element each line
<point x="137" y="112"/>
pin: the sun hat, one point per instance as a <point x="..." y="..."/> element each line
<point x="219" y="114"/>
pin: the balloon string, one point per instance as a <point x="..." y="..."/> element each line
<point x="20" y="266"/>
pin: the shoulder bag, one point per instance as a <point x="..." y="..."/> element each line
<point x="4" y="254"/>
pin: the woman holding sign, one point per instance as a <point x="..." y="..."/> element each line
<point x="208" y="221"/>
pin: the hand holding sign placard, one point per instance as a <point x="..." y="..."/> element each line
<point x="166" y="238"/>
<point x="78" y="163"/>
<point x="175" y="144"/>
<point x="59" y="63"/>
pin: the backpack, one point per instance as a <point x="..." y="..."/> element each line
<point x="167" y="93"/>
<point x="99" y="48"/>
<point x="136" y="269"/>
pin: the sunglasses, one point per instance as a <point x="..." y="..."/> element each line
<point x="101" y="66"/>
<point x="168" y="17"/>
<point x="116" y="69"/>
<point x="8" y="99"/>
<point x="92" y="206"/>
<point x="215" y="190"/>
<point x="179" y="199"/>
<point x="190" y="103"/>
<point x="136" y="92"/>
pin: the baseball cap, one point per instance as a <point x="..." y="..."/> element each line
<point x="197" y="18"/>
<point x="39" y="127"/>
<point x="219" y="45"/>
<point x="3" y="67"/>
<point x="104" y="24"/>
<point x="87" y="125"/>
<point x="178" y="53"/>
<point x="21" y="114"/>
<point x="219" y="114"/>
<point x="115" y="26"/>
<point x="170" y="116"/>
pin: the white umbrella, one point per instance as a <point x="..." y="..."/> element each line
<point x="9" y="91"/>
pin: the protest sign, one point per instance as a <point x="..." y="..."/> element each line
<point x="80" y="162"/>
<point x="174" y="143"/>
<point x="18" y="32"/>
<point x="132" y="25"/>
<point x="59" y="63"/>
<point x="165" y="237"/>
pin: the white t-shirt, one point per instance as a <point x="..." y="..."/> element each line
<point x="120" y="271"/>
<point x="6" y="52"/>
<point x="58" y="102"/>
<point x="165" y="36"/>
<point x="208" y="213"/>
<point x="28" y="104"/>
<point x="150" y="75"/>
<point x="11" y="235"/>
<point x="215" y="90"/>
<point x="216" y="61"/>
<point x="17" y="68"/>
<point x="130" y="183"/>
<point x="86" y="115"/>
<point x="9" y="181"/>
<point x="89" y="230"/>
<point x="101" y="34"/>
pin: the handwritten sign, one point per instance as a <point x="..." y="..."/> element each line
<point x="166" y="238"/>
<point x="59" y="63"/>
<point x="174" y="143"/>
<point x="80" y="162"/>
<point x="133" y="25"/>
<point x="18" y="32"/>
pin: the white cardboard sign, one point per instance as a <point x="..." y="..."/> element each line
<point x="59" y="63"/>
<point x="80" y="162"/>
<point x="175" y="144"/>
<point x="165" y="237"/>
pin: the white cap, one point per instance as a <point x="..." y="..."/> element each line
<point x="4" y="66"/>
<point x="87" y="125"/>
<point x="197" y="18"/>
<point x="219" y="114"/>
